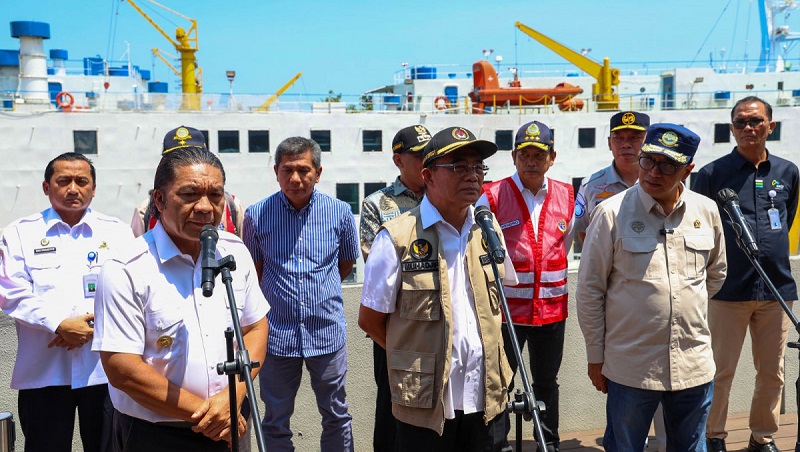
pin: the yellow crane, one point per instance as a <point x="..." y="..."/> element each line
<point x="606" y="77"/>
<point x="157" y="53"/>
<point x="274" y="97"/>
<point x="186" y="44"/>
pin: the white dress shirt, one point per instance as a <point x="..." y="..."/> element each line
<point x="45" y="265"/>
<point x="149" y="303"/>
<point x="465" y="386"/>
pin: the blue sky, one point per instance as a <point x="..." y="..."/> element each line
<point x="350" y="46"/>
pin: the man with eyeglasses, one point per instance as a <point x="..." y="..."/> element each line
<point x="535" y="214"/>
<point x="430" y="300"/>
<point x="628" y="129"/>
<point x="378" y="208"/>
<point x="652" y="257"/>
<point x="767" y="186"/>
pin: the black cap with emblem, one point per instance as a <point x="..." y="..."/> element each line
<point x="183" y="137"/>
<point x="630" y="120"/>
<point x="411" y="139"/>
<point x="453" y="138"/>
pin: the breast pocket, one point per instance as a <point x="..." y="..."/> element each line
<point x="642" y="259"/>
<point x="698" y="248"/>
<point x="412" y="378"/>
<point x="43" y="269"/>
<point x="420" y="298"/>
<point x="167" y="340"/>
<point x="491" y="286"/>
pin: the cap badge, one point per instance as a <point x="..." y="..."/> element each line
<point x="637" y="226"/>
<point x="628" y="118"/>
<point x="532" y="132"/>
<point x="164" y="341"/>
<point x="44" y="242"/>
<point x="669" y="139"/>
<point x="182" y="134"/>
<point x="460" y="134"/>
<point x="421" y="130"/>
<point x="421" y="249"/>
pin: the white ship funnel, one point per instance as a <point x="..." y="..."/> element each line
<point x="32" y="60"/>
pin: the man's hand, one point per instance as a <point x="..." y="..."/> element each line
<point x="73" y="332"/>
<point x="597" y="377"/>
<point x="213" y="418"/>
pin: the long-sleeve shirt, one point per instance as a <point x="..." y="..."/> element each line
<point x="643" y="289"/>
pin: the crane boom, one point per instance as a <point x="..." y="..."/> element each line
<point x="157" y="53"/>
<point x="281" y="90"/>
<point x="606" y="77"/>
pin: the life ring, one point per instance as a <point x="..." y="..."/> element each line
<point x="65" y="100"/>
<point x="441" y="103"/>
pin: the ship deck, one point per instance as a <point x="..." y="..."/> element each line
<point x="738" y="436"/>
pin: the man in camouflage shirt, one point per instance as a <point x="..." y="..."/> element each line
<point x="378" y="208"/>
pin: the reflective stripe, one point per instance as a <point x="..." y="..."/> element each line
<point x="551" y="292"/>
<point x="554" y="276"/>
<point x="519" y="292"/>
<point x="526" y="277"/>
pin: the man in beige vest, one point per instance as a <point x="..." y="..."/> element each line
<point x="431" y="301"/>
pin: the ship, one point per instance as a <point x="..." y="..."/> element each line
<point x="113" y="112"/>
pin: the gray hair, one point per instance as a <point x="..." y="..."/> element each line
<point x="170" y="162"/>
<point x="299" y="146"/>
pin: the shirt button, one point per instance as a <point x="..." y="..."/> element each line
<point x="302" y="324"/>
<point x="670" y="246"/>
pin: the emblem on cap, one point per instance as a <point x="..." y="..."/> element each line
<point x="637" y="226"/>
<point x="460" y="134"/>
<point x="669" y="139"/>
<point x="182" y="134"/>
<point x="421" y="130"/>
<point x="628" y="118"/>
<point x="532" y="132"/>
<point x="421" y="249"/>
<point x="44" y="242"/>
<point x="164" y="341"/>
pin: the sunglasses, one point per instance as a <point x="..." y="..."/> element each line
<point x="740" y="124"/>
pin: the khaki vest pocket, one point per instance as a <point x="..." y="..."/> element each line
<point x="411" y="378"/>
<point x="419" y="296"/>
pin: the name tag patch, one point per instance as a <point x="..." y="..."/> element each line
<point x="509" y="224"/>
<point x="49" y="249"/>
<point x="419" y="266"/>
<point x="485" y="259"/>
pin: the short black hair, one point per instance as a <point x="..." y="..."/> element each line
<point x="751" y="99"/>
<point x="68" y="157"/>
<point x="167" y="168"/>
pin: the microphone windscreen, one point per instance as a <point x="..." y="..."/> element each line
<point x="209" y="231"/>
<point x="725" y="195"/>
<point x="482" y="210"/>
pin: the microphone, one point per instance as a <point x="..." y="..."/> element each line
<point x="208" y="258"/>
<point x="729" y="201"/>
<point x="483" y="216"/>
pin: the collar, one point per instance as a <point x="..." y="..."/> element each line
<point x="430" y="215"/>
<point x="52" y="219"/>
<point x="399" y="188"/>
<point x="522" y="188"/>
<point x="289" y="206"/>
<point x="164" y="245"/>
<point x="649" y="202"/>
<point x="740" y="162"/>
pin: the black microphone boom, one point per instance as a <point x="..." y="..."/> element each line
<point x="483" y="216"/>
<point x="729" y="201"/>
<point x="208" y="258"/>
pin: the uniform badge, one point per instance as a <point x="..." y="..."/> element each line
<point x="669" y="139"/>
<point x="562" y="225"/>
<point x="637" y="226"/>
<point x="697" y="224"/>
<point x="421" y="249"/>
<point x="605" y="194"/>
<point x="164" y="341"/>
<point x="47" y="249"/>
<point x="759" y="183"/>
<point x="44" y="242"/>
<point x="103" y="245"/>
<point x="628" y="118"/>
<point x="580" y="206"/>
<point x="460" y="134"/>
<point x="532" y="132"/>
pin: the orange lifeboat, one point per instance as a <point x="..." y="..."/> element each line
<point x="488" y="93"/>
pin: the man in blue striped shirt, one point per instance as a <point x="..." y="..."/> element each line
<point x="304" y="244"/>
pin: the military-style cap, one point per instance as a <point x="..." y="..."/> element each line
<point x="630" y="120"/>
<point x="410" y="139"/>
<point x="534" y="134"/>
<point x="453" y="138"/>
<point x="674" y="141"/>
<point x="183" y="137"/>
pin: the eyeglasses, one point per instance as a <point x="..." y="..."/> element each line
<point x="740" y="124"/>
<point x="666" y="168"/>
<point x="462" y="169"/>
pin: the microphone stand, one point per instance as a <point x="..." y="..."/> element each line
<point x="787" y="309"/>
<point x="525" y="404"/>
<point x="238" y="362"/>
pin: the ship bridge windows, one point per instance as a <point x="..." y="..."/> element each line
<point x="722" y="133"/>
<point x="372" y="140"/>
<point x="85" y="141"/>
<point x="258" y="140"/>
<point x="586" y="137"/>
<point x="372" y="187"/>
<point x="323" y="139"/>
<point x="348" y="192"/>
<point x="504" y="139"/>
<point x="228" y="141"/>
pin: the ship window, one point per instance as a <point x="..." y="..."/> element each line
<point x="372" y="140"/>
<point x="586" y="138"/>
<point x="776" y="132"/>
<point x="208" y="139"/>
<point x="722" y="133"/>
<point x="228" y="141"/>
<point x="85" y="141"/>
<point x="258" y="140"/>
<point x="323" y="139"/>
<point x="349" y="194"/>
<point x="372" y="187"/>
<point x="504" y="139"/>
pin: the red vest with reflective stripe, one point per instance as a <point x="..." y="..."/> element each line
<point x="541" y="265"/>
